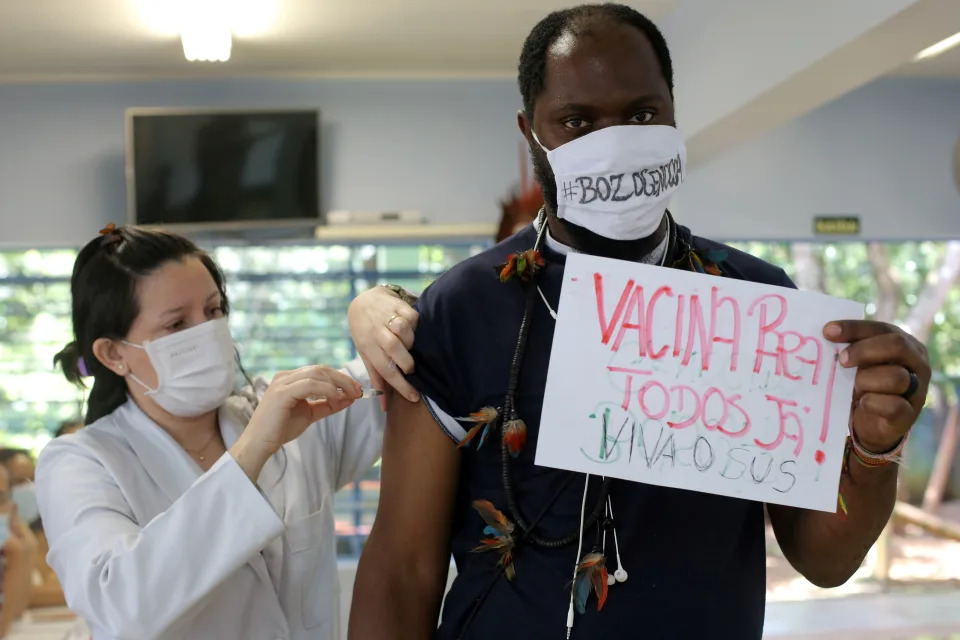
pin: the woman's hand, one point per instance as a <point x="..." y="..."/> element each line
<point x="293" y="401"/>
<point x="382" y="326"/>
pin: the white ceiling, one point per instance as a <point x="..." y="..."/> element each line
<point x="58" y="39"/>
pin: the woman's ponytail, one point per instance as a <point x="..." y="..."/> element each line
<point x="69" y="361"/>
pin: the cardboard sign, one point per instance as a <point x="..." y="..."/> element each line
<point x="697" y="382"/>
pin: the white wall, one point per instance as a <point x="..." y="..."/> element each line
<point x="450" y="150"/>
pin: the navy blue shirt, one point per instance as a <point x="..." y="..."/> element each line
<point x="696" y="562"/>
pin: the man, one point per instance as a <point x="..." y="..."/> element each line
<point x="596" y="83"/>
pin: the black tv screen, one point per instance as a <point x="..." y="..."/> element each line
<point x="222" y="168"/>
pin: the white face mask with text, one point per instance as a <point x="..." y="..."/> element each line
<point x="195" y="368"/>
<point x="618" y="181"/>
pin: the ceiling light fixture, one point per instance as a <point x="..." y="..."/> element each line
<point x="207" y="27"/>
<point x="206" y="32"/>
<point x="941" y="47"/>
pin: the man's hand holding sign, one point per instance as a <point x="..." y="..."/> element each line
<point x="890" y="389"/>
<point x="734" y="388"/>
<point x="891" y="384"/>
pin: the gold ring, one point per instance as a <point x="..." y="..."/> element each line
<point x="390" y="321"/>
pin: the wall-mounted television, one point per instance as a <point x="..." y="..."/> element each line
<point x="223" y="169"/>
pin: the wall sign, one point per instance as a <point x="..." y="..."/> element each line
<point x="836" y="225"/>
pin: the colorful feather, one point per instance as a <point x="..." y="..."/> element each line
<point x="716" y="256"/>
<point x="509" y="569"/>
<point x="482" y="419"/>
<point x="471" y="434"/>
<point x="534" y="257"/>
<point x="708" y="263"/>
<point x="483" y="416"/>
<point x="483" y="436"/>
<point x="515" y="436"/>
<point x="696" y="262"/>
<point x="591" y="576"/>
<point x="499" y="532"/>
<point x="529" y="263"/>
<point x="494" y="518"/>
<point x="508" y="269"/>
<point x="600" y="586"/>
<point x="525" y="265"/>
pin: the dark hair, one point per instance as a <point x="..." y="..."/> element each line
<point x="9" y="453"/>
<point x="533" y="57"/>
<point x="104" y="292"/>
<point x="66" y="425"/>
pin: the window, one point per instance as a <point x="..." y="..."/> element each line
<point x="290" y="301"/>
<point x="34" y="325"/>
<point x="289" y="309"/>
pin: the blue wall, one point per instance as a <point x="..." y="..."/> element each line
<point x="448" y="149"/>
<point x="884" y="153"/>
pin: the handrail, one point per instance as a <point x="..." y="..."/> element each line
<point x="929" y="523"/>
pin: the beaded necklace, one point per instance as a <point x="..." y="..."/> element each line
<point x="504" y="534"/>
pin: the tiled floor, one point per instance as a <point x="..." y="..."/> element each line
<point x="890" y="616"/>
<point x="900" y="616"/>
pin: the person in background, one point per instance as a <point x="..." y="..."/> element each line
<point x="45" y="589"/>
<point x="183" y="510"/>
<point x="20" y="468"/>
<point x="68" y="426"/>
<point x="19" y="465"/>
<point x="18" y="552"/>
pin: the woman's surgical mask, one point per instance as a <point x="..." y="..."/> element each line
<point x="617" y="181"/>
<point x="25" y="497"/>
<point x="195" y="368"/>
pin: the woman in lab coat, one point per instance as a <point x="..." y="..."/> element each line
<point x="183" y="511"/>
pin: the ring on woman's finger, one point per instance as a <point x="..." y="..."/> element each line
<point x="912" y="387"/>
<point x="390" y="321"/>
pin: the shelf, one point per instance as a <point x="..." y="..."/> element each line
<point x="395" y="231"/>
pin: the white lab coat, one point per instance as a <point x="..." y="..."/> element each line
<point x="147" y="546"/>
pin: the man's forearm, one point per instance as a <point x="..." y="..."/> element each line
<point x="827" y="548"/>
<point x="394" y="604"/>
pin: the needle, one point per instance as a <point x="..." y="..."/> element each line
<point x="367" y="393"/>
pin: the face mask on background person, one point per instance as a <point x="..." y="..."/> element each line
<point x="25" y="497"/>
<point x="195" y="368"/>
<point x="618" y="181"/>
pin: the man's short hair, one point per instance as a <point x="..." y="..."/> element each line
<point x="533" y="58"/>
